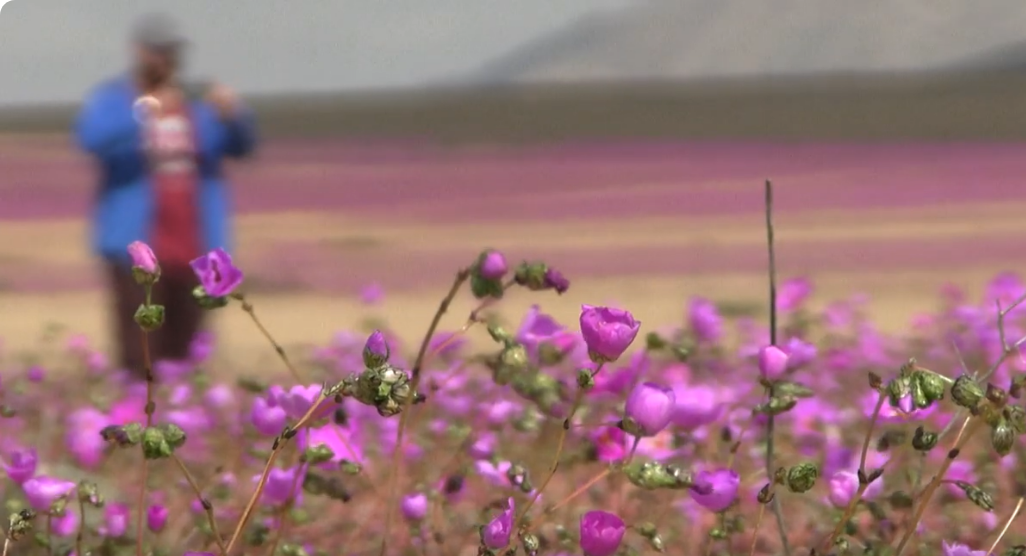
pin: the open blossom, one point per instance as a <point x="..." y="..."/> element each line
<point x="705" y="320"/>
<point x="843" y="486"/>
<point x="649" y="409"/>
<point x="268" y="419"/>
<point x="601" y="533"/>
<point x="142" y="257"/>
<point x="607" y="332"/>
<point x="716" y="490"/>
<point x="955" y="549"/>
<point x="497" y="533"/>
<point x="216" y="273"/>
<point x="42" y="491"/>
<point x="20" y="464"/>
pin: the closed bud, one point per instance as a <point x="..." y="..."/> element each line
<point x="20" y="524"/>
<point x="532" y="276"/>
<point x="996" y="395"/>
<point x="483" y="287"/>
<point x="777" y="405"/>
<point x="924" y="441"/>
<point x="802" y="477"/>
<point x="919" y="398"/>
<point x="288" y="549"/>
<point x="793" y="390"/>
<point x="154" y="445"/>
<point x="530" y="542"/>
<point x="1002" y="438"/>
<point x="585" y="379"/>
<point x="976" y="495"/>
<point x="765" y="494"/>
<point x="654" y="475"/>
<point x="89" y="493"/>
<point x="174" y="435"/>
<point x="875" y="381"/>
<point x="967" y="393"/>
<point x="149" y="317"/>
<point x="932" y="384"/>
<point x="900" y="500"/>
<point x="351" y="467"/>
<point x="1017" y="550"/>
<point x="899" y="389"/>
<point x="655" y="342"/>
<point x="375" y="350"/>
<point x="320" y="453"/>
<point x="1016" y="417"/>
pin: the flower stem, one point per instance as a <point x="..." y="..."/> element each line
<point x="248" y="308"/>
<point x="1008" y="523"/>
<point x="854" y="502"/>
<point x="770" y="421"/>
<point x="415" y="373"/>
<point x="81" y="527"/>
<point x="149" y="409"/>
<point x="279" y="444"/>
<point x="931" y="488"/>
<point x="284" y="520"/>
<point x="208" y="508"/>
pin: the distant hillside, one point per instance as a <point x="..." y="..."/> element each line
<point x="701" y="39"/>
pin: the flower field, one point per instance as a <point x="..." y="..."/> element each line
<point x="701" y="423"/>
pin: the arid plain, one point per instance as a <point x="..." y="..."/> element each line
<point x="644" y="226"/>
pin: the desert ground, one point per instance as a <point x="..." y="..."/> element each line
<point x="642" y="226"/>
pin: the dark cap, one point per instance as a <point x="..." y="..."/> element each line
<point x="158" y="31"/>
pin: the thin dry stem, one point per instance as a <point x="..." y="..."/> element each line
<point x="284" y="521"/>
<point x="7" y="545"/>
<point x="279" y="445"/>
<point x="248" y="308"/>
<point x="931" y="488"/>
<point x="415" y="373"/>
<point x="148" y="409"/>
<point x="1008" y="523"/>
<point x="854" y="502"/>
<point x="208" y="508"/>
<point x="755" y="530"/>
<point x="81" y="527"/>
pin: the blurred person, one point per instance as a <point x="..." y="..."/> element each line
<point x="159" y="157"/>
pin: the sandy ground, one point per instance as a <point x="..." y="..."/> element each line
<point x="641" y="228"/>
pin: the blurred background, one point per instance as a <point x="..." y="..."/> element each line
<point x="623" y="141"/>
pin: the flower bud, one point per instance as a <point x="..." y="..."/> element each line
<point x="149" y="317"/>
<point x="772" y="363"/>
<point x="776" y="405"/>
<point x="20" y="524"/>
<point x="1017" y="550"/>
<point x="585" y="379"/>
<point x="793" y="390"/>
<point x="967" y="393"/>
<point x="654" y="475"/>
<point x="766" y="494"/>
<point x="414" y="507"/>
<point x="899" y="391"/>
<point x="655" y="342"/>
<point x="976" y="495"/>
<point x="375" y="350"/>
<point x="500" y="334"/>
<point x="931" y="384"/>
<point x="924" y="441"/>
<point x="145" y="269"/>
<point x="154" y="445"/>
<point x="601" y="533"/>
<point x="320" y="453"/>
<point x="1016" y="417"/>
<point x="531" y="543"/>
<point x="156" y="518"/>
<point x="802" y="477"/>
<point x="174" y="435"/>
<point x="89" y="493"/>
<point x="491" y="265"/>
<point x="1002" y="438"/>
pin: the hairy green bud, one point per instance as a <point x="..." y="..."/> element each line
<point x="802" y="477"/>
<point x="967" y="393"/>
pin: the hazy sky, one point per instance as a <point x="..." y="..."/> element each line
<point x="55" y="50"/>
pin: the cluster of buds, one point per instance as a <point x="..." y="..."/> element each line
<point x="20" y="524"/>
<point x="161" y="441"/>
<point x="331" y="487"/>
<point x="1007" y="421"/>
<point x="381" y="385"/>
<point x="653" y="475"/>
<point x="511" y="366"/>
<point x="916" y="388"/>
<point x="89" y="493"/>
<point x="537" y="276"/>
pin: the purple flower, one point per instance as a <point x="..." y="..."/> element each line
<point x="142" y="257"/>
<point x="792" y="294"/>
<point x="496" y="534"/>
<point x="372" y="294"/>
<point x="772" y="362"/>
<point x="607" y="332"/>
<point x="296" y="401"/>
<point x="268" y="419"/>
<point x="716" y="490"/>
<point x="955" y="549"/>
<point x="375" y="351"/>
<point x="705" y="321"/>
<point x="537" y="327"/>
<point x="696" y="406"/>
<point x="156" y="518"/>
<point x="799" y="353"/>
<point x="216" y="273"/>
<point x="42" y="491"/>
<point x="601" y="533"/>
<point x="36" y="373"/>
<point x="555" y="280"/>
<point x="20" y="465"/>
<point x="649" y="409"/>
<point x="115" y="518"/>
<point x="65" y="525"/>
<point x="492" y="265"/>
<point x="843" y="486"/>
<point x="278" y="488"/>
<point x="414" y="506"/>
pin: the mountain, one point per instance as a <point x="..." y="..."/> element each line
<point x="703" y="39"/>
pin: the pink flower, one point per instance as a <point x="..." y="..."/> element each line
<point x="142" y="257"/>
<point x="42" y="491"/>
<point x="608" y="332"/>
<point x="497" y="533"/>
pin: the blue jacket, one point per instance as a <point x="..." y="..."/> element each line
<point x="107" y="129"/>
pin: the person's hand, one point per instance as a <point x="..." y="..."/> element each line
<point x="224" y="100"/>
